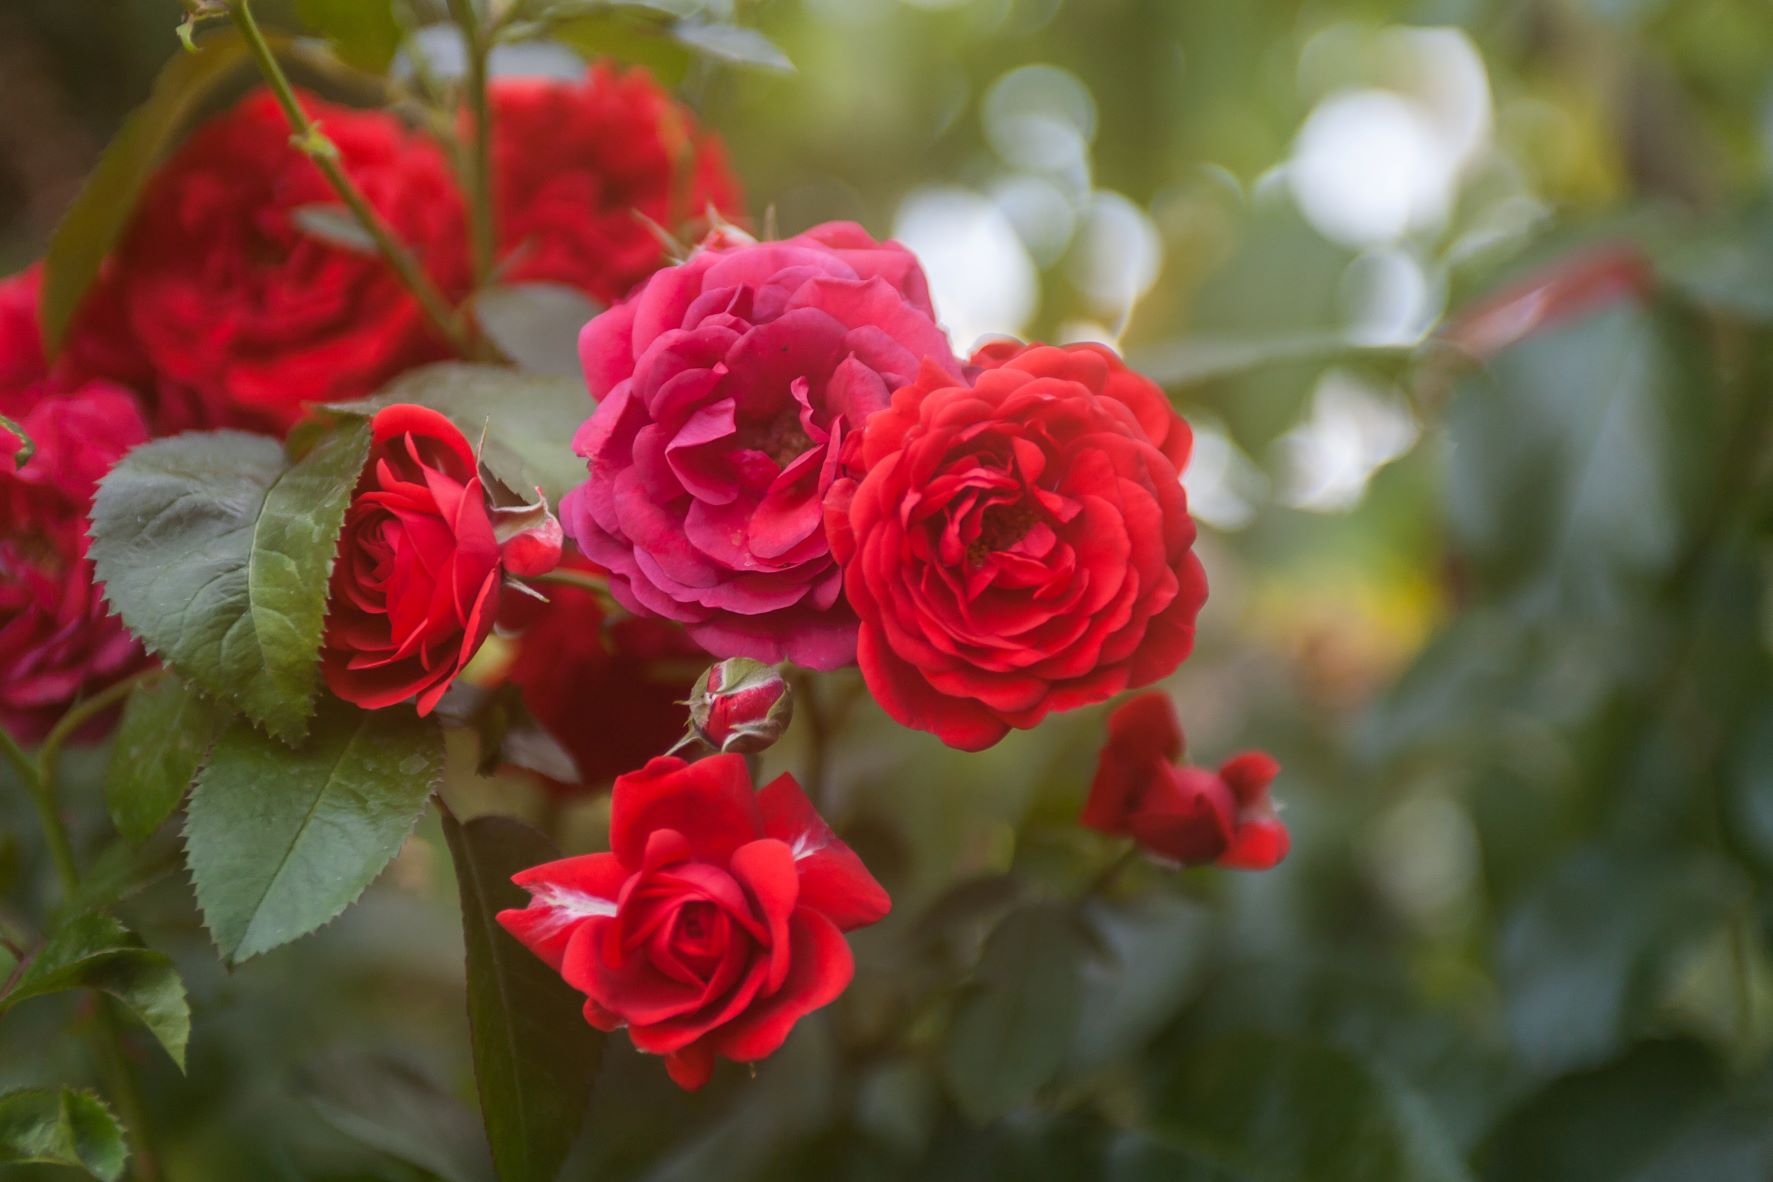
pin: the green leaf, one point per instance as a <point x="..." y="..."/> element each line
<point x="524" y="421"/>
<point x="534" y="1056"/>
<point x="1195" y="361"/>
<point x="166" y="731"/>
<point x="1608" y="1123"/>
<point x="61" y="1127"/>
<point x="1585" y="956"/>
<point x="335" y="226"/>
<point x="279" y="842"/>
<point x="94" y="951"/>
<point x="26" y="446"/>
<point x="537" y="325"/>
<point x="216" y="552"/>
<point x="625" y="37"/>
<point x="1011" y="1031"/>
<point x="1289" y="1110"/>
<point x="98" y="215"/>
<point x="733" y="43"/>
<point x="394" y="1108"/>
<point x="363" y="32"/>
<point x="1573" y="472"/>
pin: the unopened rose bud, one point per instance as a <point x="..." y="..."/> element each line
<point x="740" y="706"/>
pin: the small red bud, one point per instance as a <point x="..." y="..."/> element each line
<point x="740" y="705"/>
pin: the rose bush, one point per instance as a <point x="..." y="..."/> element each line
<point x="726" y="388"/>
<point x="422" y="565"/>
<point x="1018" y="545"/>
<point x="574" y="163"/>
<point x="1184" y="814"/>
<point x="715" y="922"/>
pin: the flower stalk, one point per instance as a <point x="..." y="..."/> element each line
<point x="479" y="163"/>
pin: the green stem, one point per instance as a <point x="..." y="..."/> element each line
<point x="480" y="198"/>
<point x="818" y="735"/>
<point x="567" y="577"/>
<point x="1108" y="875"/>
<point x="83" y="712"/>
<point x="124" y="1089"/>
<point x="309" y="140"/>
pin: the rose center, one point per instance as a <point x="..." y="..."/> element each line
<point x="781" y="438"/>
<point x="1000" y="527"/>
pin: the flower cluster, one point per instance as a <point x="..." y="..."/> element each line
<point x="787" y="458"/>
<point x="786" y="461"/>
<point x="242" y="291"/>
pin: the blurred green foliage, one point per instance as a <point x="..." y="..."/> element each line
<point x="1507" y="626"/>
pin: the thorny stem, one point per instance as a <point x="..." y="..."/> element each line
<point x="312" y="142"/>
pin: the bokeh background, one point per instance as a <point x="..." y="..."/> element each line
<point x="1505" y="620"/>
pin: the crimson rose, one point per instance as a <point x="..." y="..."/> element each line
<point x="422" y="561"/>
<point x="1018" y="546"/>
<point x="1185" y="814"/>
<point x="714" y="925"/>
<point x="726" y="387"/>
<point x="237" y="312"/>
<point x="574" y="163"/>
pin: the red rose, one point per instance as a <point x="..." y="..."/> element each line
<point x="714" y="925"/>
<point x="421" y="564"/>
<point x="610" y="691"/>
<point x="58" y="640"/>
<point x="574" y="163"/>
<point x="1019" y="546"/>
<point x="1184" y="814"/>
<point x="238" y="313"/>
<point x="726" y="388"/>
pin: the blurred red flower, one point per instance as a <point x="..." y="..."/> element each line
<point x="235" y="310"/>
<point x="574" y="163"/>
<point x="1020" y="545"/>
<point x="609" y="691"/>
<point x="58" y="640"/>
<point x="714" y="925"/>
<point x="1185" y="814"/>
<point x="421" y="565"/>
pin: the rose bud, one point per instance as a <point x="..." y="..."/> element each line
<point x="423" y="560"/>
<point x="715" y="922"/>
<point x="1182" y="814"/>
<point x="740" y="705"/>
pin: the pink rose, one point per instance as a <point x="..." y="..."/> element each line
<point x="727" y="387"/>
